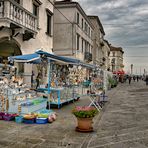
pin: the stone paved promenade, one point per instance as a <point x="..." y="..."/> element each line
<point x="123" y="123"/>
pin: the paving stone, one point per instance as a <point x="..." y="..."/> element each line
<point x="5" y="143"/>
<point x="122" y="123"/>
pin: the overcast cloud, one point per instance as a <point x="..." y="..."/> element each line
<point x="125" y="23"/>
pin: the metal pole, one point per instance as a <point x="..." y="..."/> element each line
<point x="49" y="81"/>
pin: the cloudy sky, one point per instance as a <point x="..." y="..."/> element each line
<point x="125" y="23"/>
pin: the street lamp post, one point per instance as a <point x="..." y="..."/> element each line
<point x="131" y="69"/>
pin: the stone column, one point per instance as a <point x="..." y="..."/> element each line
<point x="6" y="9"/>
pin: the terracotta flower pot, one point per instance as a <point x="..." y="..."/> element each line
<point x="84" y="125"/>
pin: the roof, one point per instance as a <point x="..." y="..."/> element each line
<point x="107" y="43"/>
<point x="58" y="58"/>
<point x="99" y="22"/>
<point x="67" y="59"/>
<point x="116" y="49"/>
<point x="27" y="58"/>
<point x="35" y="58"/>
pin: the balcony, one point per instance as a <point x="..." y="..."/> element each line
<point x="14" y="16"/>
<point x="88" y="56"/>
<point x="101" y="42"/>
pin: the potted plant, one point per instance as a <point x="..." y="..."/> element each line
<point x="84" y="115"/>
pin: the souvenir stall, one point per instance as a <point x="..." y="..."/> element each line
<point x="58" y="88"/>
<point x="108" y="79"/>
<point x="15" y="93"/>
<point x="18" y="99"/>
<point x="69" y="79"/>
<point x="66" y="77"/>
<point x="95" y="92"/>
<point x="97" y="80"/>
<point x="19" y="103"/>
<point x="101" y="85"/>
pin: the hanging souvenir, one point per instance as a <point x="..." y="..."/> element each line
<point x="7" y="105"/>
<point x="19" y="109"/>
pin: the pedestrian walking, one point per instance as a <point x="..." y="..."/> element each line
<point x="38" y="78"/>
<point x="32" y="79"/>
<point x="129" y="79"/>
<point x="134" y="78"/>
<point x="146" y="80"/>
<point x="137" y="78"/>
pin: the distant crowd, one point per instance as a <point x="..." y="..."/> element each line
<point x="134" y="78"/>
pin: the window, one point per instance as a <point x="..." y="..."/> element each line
<point x="113" y="61"/>
<point x="78" y="37"/>
<point x="49" y="22"/>
<point x="91" y="34"/>
<point x="89" y="31"/>
<point x="35" y="9"/>
<point x="86" y="26"/>
<point x="82" y="45"/>
<point x="18" y="1"/>
<point x="89" y="48"/>
<point x="36" y="4"/>
<point x="77" y="18"/>
<point x="113" y="54"/>
<point x="82" y="23"/>
<point x="86" y="46"/>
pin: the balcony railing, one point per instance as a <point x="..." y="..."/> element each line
<point x="88" y="56"/>
<point x="14" y="13"/>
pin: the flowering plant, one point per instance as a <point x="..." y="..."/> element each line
<point x="84" y="111"/>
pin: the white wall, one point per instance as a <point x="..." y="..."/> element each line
<point x="97" y="48"/>
<point x="118" y="59"/>
<point x="41" y="40"/>
<point x="65" y="32"/>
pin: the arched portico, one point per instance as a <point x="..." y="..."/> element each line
<point x="8" y="47"/>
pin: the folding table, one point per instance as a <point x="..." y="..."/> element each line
<point x="94" y="101"/>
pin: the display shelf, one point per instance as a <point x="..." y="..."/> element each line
<point x="28" y="109"/>
<point x="66" y="94"/>
<point x="33" y="108"/>
<point x="24" y="96"/>
<point x="62" y="95"/>
<point x="59" y="105"/>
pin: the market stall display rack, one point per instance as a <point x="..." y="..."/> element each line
<point x="20" y="99"/>
<point x="64" y="76"/>
<point x="35" y="106"/>
<point x="30" y="101"/>
<point x="63" y="95"/>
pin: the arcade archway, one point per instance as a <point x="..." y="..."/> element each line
<point x="8" y="48"/>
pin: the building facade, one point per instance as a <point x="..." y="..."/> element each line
<point x="106" y="55"/>
<point x="73" y="31"/>
<point x="116" y="59"/>
<point x="98" y="37"/>
<point x="25" y="26"/>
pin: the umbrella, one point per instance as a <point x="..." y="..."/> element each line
<point x="119" y="72"/>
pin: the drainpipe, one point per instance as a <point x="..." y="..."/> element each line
<point x="72" y="37"/>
